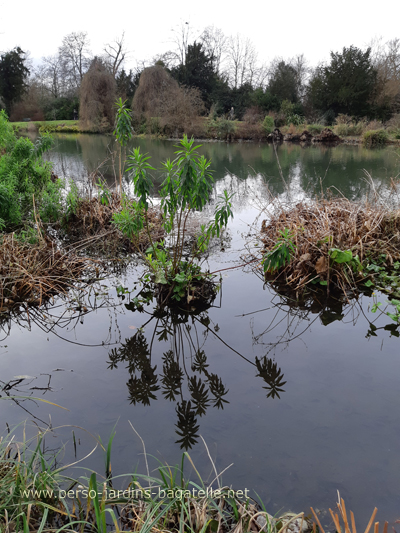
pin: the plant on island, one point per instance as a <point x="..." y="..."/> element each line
<point x="186" y="188"/>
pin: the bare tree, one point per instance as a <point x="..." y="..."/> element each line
<point x="52" y="75"/>
<point x="183" y="34"/>
<point x="215" y="45"/>
<point x="75" y="56"/>
<point x="241" y="61"/>
<point x="303" y="72"/>
<point x="386" y="59"/>
<point x="115" y="54"/>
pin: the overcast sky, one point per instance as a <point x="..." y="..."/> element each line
<point x="279" y="28"/>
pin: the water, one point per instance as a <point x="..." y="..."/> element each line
<point x="334" y="423"/>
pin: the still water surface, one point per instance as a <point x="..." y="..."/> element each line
<point x="303" y="403"/>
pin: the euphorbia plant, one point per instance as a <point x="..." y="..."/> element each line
<point x="186" y="188"/>
<point x="123" y="133"/>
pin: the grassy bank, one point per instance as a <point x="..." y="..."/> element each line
<point x="39" y="495"/>
<point x="221" y="129"/>
<point x="53" y="126"/>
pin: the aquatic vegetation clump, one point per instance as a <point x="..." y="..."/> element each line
<point x="186" y="188"/>
<point x="31" y="275"/>
<point x="375" y="137"/>
<point x="88" y="222"/>
<point x="335" y="243"/>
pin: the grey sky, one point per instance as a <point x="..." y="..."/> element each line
<point x="276" y="28"/>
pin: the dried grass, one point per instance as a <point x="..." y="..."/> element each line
<point x="367" y="230"/>
<point x="34" y="274"/>
<point x="90" y="226"/>
<point x="347" y="527"/>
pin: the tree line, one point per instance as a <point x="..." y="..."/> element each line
<point x="219" y="74"/>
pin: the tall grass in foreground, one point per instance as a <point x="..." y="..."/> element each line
<point x="37" y="495"/>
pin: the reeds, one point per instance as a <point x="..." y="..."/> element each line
<point x="347" y="526"/>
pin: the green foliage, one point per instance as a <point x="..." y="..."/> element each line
<point x="123" y="133"/>
<point x="24" y="176"/>
<point x="7" y="136"/>
<point x="59" y="127"/>
<point x="72" y="198"/>
<point x="61" y="108"/>
<point x="268" y="124"/>
<point x="340" y="256"/>
<point x="105" y="193"/>
<point x="281" y="253"/>
<point x="394" y="314"/>
<point x="51" y="202"/>
<point x="346" y="85"/>
<point x="123" y="123"/>
<point x="13" y="76"/>
<point x="130" y="219"/>
<point x="141" y="179"/>
<point x="187" y="187"/>
<point x="352" y="128"/>
<point x="197" y="71"/>
<point x="223" y="212"/>
<point x="315" y="129"/>
<point x="375" y="137"/>
<point x="222" y="128"/>
<point x="283" y="83"/>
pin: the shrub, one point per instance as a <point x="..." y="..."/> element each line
<point x="295" y="119"/>
<point x="345" y="128"/>
<point x="268" y="124"/>
<point x="61" y="108"/>
<point x="247" y="131"/>
<point x="315" y="129"/>
<point x="97" y="97"/>
<point x="375" y="137"/>
<point x="159" y="98"/>
<point x="25" y="179"/>
<point x="187" y="187"/>
<point x="343" y="119"/>
<point x="393" y="124"/>
<point x="253" y="115"/>
<point x="342" y="129"/>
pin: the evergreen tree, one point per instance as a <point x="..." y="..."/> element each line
<point x="283" y="83"/>
<point x="346" y="85"/>
<point x="197" y="71"/>
<point x="13" y="76"/>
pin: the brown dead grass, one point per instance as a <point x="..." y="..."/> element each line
<point x="91" y="226"/>
<point x="368" y="231"/>
<point x="34" y="274"/>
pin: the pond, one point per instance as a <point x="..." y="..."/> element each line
<point x="302" y="400"/>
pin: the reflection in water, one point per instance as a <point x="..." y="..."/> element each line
<point x="19" y="391"/>
<point x="272" y="375"/>
<point x="306" y="170"/>
<point x="193" y="387"/>
<point x="338" y="382"/>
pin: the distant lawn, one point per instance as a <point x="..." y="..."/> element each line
<point x="52" y="126"/>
